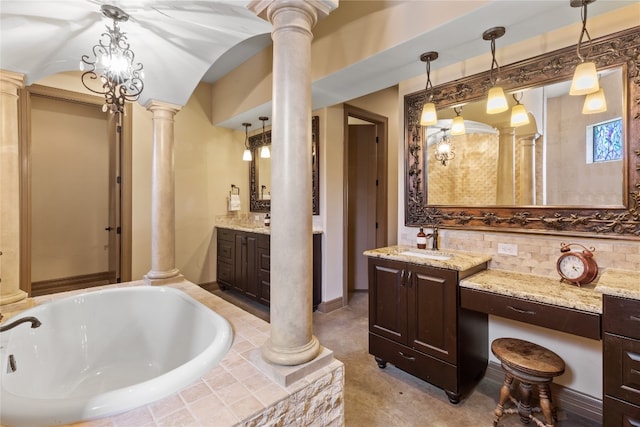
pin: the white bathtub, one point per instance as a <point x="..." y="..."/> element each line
<point x="105" y="352"/>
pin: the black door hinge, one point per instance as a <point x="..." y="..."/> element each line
<point x="118" y="230"/>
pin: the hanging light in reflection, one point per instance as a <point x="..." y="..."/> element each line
<point x="429" y="116"/>
<point x="595" y="102"/>
<point x="113" y="62"/>
<point x="496" y="101"/>
<point x="585" y="77"/>
<point x="246" y="155"/>
<point x="519" y="115"/>
<point x="457" y="125"/>
<point x="444" y="149"/>
<point x="265" y="153"/>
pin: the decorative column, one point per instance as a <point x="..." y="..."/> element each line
<point x="163" y="230"/>
<point x="10" y="188"/>
<point x="505" y="193"/>
<point x="291" y="341"/>
<point x="527" y="181"/>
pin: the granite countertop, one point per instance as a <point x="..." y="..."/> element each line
<point x="537" y="289"/>
<point x="260" y="229"/>
<point x="458" y="260"/>
<point x="621" y="283"/>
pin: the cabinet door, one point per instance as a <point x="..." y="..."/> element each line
<point x="432" y="320"/>
<point x="252" y="288"/>
<point x="388" y="299"/>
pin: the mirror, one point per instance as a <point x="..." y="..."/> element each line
<point x="260" y="170"/>
<point x="539" y="177"/>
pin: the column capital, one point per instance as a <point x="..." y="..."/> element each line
<point x="155" y="105"/>
<point x="10" y="82"/>
<point x="318" y="8"/>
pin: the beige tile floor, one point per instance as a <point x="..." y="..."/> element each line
<point x="390" y="397"/>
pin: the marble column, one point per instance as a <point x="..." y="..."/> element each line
<point x="163" y="230"/>
<point x="10" y="188"/>
<point x="527" y="181"/>
<point x="505" y="192"/>
<point x="291" y="341"/>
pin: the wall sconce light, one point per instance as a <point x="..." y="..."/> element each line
<point x="595" y="102"/>
<point x="429" y="116"/>
<point x="265" y="153"/>
<point x="113" y="62"/>
<point x="457" y="125"/>
<point x="444" y="149"/>
<point x="246" y="155"/>
<point x="519" y="115"/>
<point x="585" y="77"/>
<point x="496" y="101"/>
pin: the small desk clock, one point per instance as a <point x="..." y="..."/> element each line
<point x="579" y="268"/>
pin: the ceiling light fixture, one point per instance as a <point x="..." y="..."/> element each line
<point x="265" y="153"/>
<point x="429" y="116"/>
<point x="496" y="101"/>
<point x="444" y="149"/>
<point x="585" y="77"/>
<point x="519" y="115"/>
<point x="246" y="155"/>
<point x="457" y="125"/>
<point x="113" y="62"/>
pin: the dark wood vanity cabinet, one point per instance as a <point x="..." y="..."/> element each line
<point x="621" y="360"/>
<point x="415" y="324"/>
<point x="244" y="264"/>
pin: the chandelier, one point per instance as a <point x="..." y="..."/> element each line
<point x="444" y="149"/>
<point x="113" y="63"/>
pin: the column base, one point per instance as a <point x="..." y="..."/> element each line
<point x="15" y="296"/>
<point x="149" y="279"/>
<point x="291" y="356"/>
<point x="287" y="375"/>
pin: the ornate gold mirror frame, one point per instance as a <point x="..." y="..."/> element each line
<point x="615" y="50"/>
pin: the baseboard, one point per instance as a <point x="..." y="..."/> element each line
<point x="328" y="306"/>
<point x="45" y="287"/>
<point x="573" y="401"/>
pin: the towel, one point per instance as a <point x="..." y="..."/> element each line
<point x="234" y="202"/>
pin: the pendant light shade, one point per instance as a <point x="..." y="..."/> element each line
<point x="246" y="155"/>
<point x="595" y="103"/>
<point x="265" y="153"/>
<point x="429" y="116"/>
<point x="519" y="115"/>
<point x="496" y="102"/>
<point x="585" y="79"/>
<point x="457" y="125"/>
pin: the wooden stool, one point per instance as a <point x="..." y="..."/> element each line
<point x="529" y="364"/>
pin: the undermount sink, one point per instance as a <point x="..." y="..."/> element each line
<point x="428" y="255"/>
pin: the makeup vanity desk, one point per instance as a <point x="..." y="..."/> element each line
<point x="607" y="310"/>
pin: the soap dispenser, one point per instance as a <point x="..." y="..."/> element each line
<point x="267" y="220"/>
<point x="421" y="239"/>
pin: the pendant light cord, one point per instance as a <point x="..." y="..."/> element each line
<point x="494" y="62"/>
<point x="583" y="33"/>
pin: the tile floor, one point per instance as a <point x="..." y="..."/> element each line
<point x="390" y="397"/>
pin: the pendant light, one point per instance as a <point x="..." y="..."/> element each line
<point x="519" y="115"/>
<point x="585" y="77"/>
<point x="496" y="101"/>
<point x="246" y="155"/>
<point x="429" y="116"/>
<point x="595" y="102"/>
<point x="457" y="125"/>
<point x="265" y="153"/>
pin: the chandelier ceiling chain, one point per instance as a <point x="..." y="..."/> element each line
<point x="114" y="63"/>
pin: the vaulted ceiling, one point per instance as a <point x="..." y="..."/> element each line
<point x="184" y="42"/>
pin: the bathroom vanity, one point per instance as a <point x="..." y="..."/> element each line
<point x="415" y="319"/>
<point x="243" y="262"/>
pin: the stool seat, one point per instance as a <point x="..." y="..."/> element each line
<point x="530" y="364"/>
<point x="527" y="357"/>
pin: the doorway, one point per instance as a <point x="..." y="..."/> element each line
<point x="75" y="205"/>
<point x="365" y="192"/>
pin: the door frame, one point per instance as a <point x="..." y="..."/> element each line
<point x="381" y="123"/>
<point x="24" y="132"/>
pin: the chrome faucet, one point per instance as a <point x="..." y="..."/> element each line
<point x="434" y="238"/>
<point x="34" y="323"/>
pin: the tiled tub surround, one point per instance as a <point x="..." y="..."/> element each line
<point x="236" y="392"/>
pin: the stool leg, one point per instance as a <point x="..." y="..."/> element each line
<point x="546" y="404"/>
<point x="505" y="392"/>
<point x="524" y="409"/>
